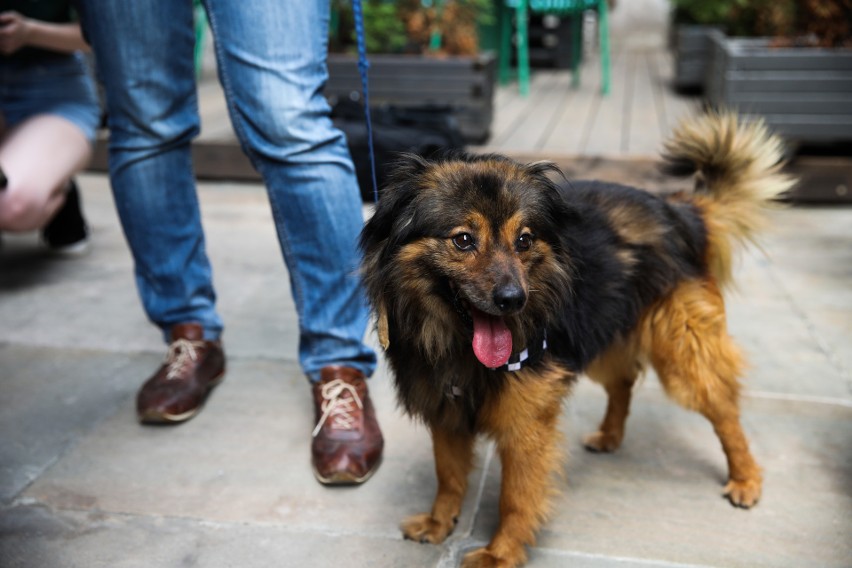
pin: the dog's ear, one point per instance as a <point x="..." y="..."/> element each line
<point x="389" y="226"/>
<point x="544" y="172"/>
<point x="405" y="167"/>
<point x="404" y="182"/>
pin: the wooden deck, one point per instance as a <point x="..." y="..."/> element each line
<point x="559" y="121"/>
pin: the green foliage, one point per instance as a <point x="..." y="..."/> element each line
<point x="409" y="26"/>
<point x="383" y="29"/>
<point x="740" y="17"/>
<point x="706" y="12"/>
<point x="484" y="10"/>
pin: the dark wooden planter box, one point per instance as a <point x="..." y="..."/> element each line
<point x="465" y="85"/>
<point x="803" y="93"/>
<point x="693" y="49"/>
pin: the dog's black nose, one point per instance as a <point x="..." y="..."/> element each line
<point x="509" y="298"/>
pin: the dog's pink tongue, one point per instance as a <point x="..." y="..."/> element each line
<point x="492" y="340"/>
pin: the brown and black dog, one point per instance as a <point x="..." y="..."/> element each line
<point x="494" y="287"/>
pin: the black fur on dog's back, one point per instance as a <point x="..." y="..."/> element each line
<point x="630" y="247"/>
<point x="607" y="252"/>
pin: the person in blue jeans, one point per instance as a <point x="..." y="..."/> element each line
<point x="272" y="65"/>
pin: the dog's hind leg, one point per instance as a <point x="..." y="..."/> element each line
<point x="453" y="461"/>
<point x="699" y="365"/>
<point x="617" y="370"/>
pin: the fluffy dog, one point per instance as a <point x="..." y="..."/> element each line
<point x="494" y="287"/>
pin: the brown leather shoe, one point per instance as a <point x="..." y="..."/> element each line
<point x="192" y="368"/>
<point x="347" y="444"/>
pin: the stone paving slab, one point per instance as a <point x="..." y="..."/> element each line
<point x="780" y="345"/>
<point x="32" y="537"/>
<point x="242" y="462"/>
<point x="97" y="292"/>
<point x="811" y="251"/>
<point x="244" y="459"/>
<point x="52" y="398"/>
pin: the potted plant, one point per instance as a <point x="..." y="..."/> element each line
<point x="693" y="21"/>
<point x="422" y="54"/>
<point x="798" y="76"/>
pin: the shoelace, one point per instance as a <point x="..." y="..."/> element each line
<point x="336" y="407"/>
<point x="182" y="352"/>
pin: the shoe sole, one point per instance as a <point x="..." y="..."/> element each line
<point x="342" y="479"/>
<point x="153" y="417"/>
<point x="79" y="248"/>
<point x="166" y="418"/>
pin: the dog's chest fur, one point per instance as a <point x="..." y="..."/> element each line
<point x="455" y="395"/>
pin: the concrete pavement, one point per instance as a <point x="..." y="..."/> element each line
<point x="83" y="485"/>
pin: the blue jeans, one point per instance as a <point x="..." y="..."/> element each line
<point x="272" y="63"/>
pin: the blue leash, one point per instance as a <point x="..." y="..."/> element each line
<point x="363" y="66"/>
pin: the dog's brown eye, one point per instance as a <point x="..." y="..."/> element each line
<point x="463" y="241"/>
<point x="524" y="242"/>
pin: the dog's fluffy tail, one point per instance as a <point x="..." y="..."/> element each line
<point x="739" y="175"/>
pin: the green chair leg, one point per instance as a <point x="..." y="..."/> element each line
<point x="574" y="8"/>
<point x="200" y="30"/>
<point x="576" y="47"/>
<point x="603" y="30"/>
<point x="435" y="38"/>
<point x="334" y="20"/>
<point x="521" y="22"/>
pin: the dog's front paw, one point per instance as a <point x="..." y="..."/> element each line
<point x="425" y="528"/>
<point x="745" y="493"/>
<point x="602" y="442"/>
<point x="484" y="558"/>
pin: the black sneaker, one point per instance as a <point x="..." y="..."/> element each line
<point x="67" y="232"/>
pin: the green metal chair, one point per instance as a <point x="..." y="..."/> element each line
<point x="521" y="9"/>
<point x="200" y="31"/>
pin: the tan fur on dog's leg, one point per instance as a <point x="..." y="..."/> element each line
<point x="744" y="478"/>
<point x="698" y="365"/>
<point x="523" y="421"/>
<point x="617" y="370"/>
<point x="611" y="431"/>
<point x="453" y="461"/>
<point x="527" y="467"/>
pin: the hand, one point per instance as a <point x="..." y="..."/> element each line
<point x="14" y="32"/>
